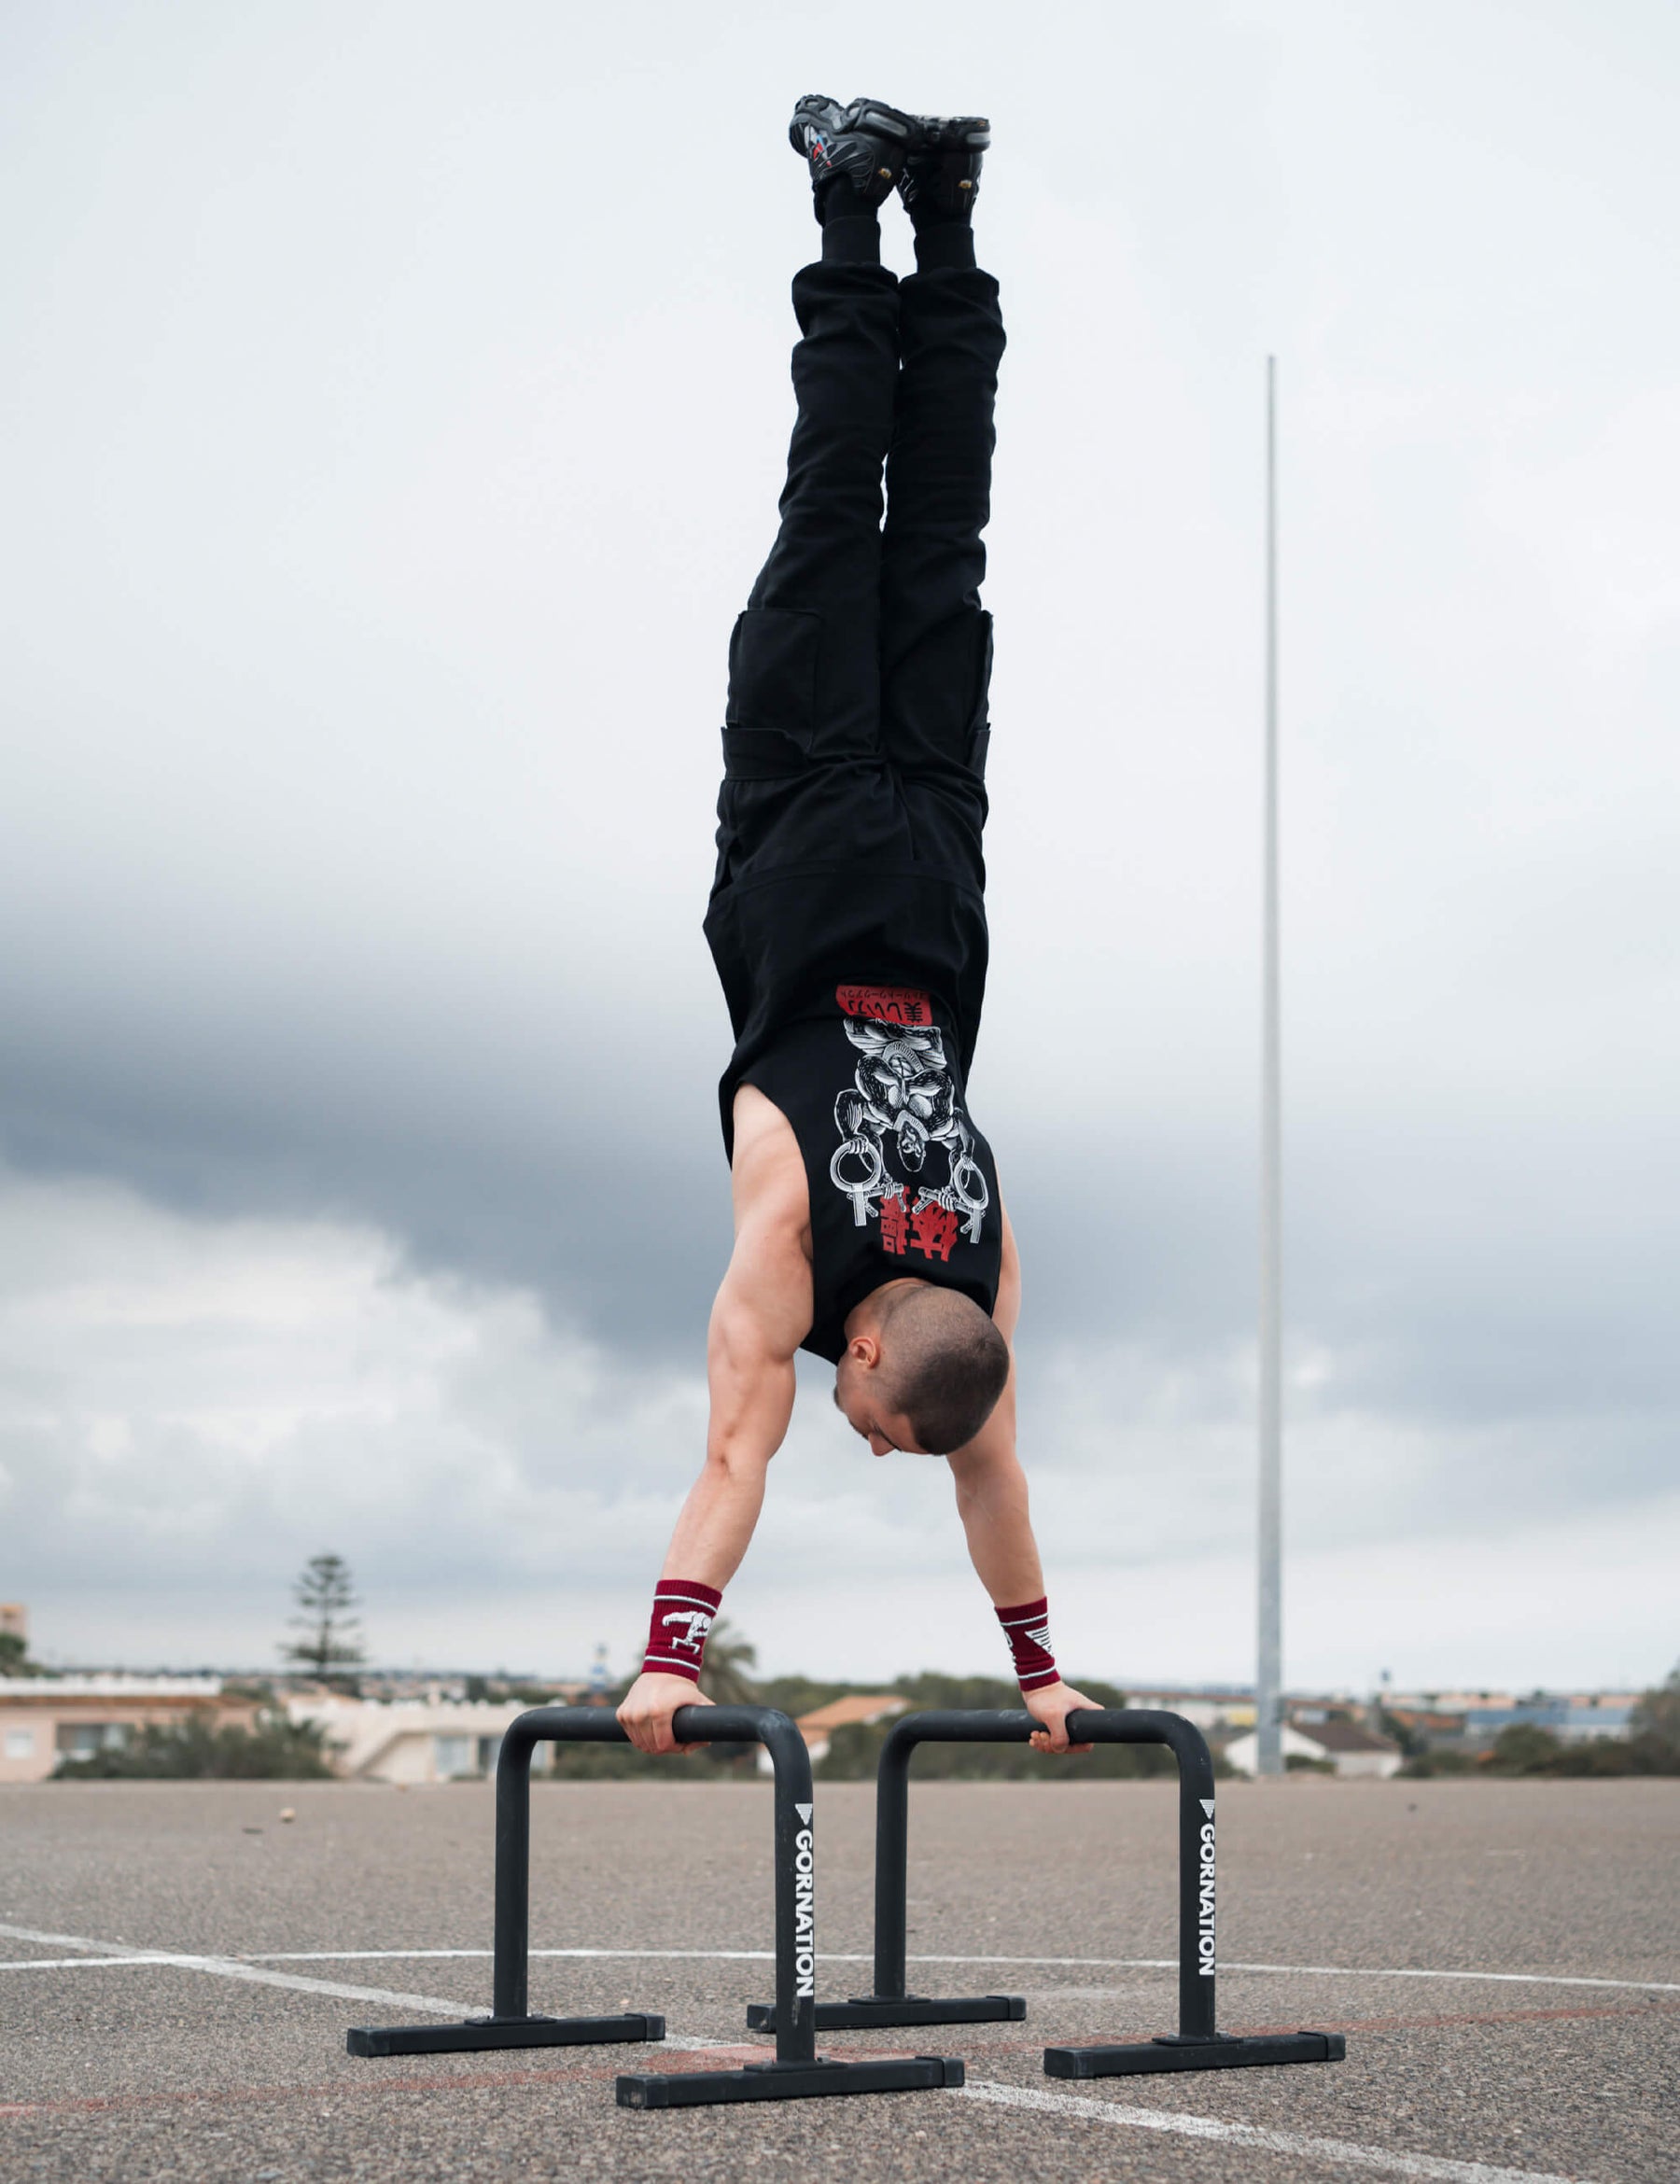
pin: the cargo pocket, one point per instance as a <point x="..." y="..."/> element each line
<point x="773" y="673"/>
<point x="935" y="699"/>
<point x="979" y="737"/>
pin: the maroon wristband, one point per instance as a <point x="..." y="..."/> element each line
<point x="1028" y="1631"/>
<point x="684" y="1612"/>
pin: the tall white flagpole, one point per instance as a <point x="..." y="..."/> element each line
<point x="1270" y="1650"/>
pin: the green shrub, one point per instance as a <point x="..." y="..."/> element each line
<point x="1646" y="1752"/>
<point x="854" y="1752"/>
<point x="1656" y="1739"/>
<point x="14" y="1657"/>
<point x="624" y="1763"/>
<point x="1523" y="1748"/>
<point x="274" y="1750"/>
<point x="607" y="1763"/>
<point x="1445" y="1761"/>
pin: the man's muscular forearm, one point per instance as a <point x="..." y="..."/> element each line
<point x="750" y="1375"/>
<point x="992" y="1503"/>
<point x="749" y="1370"/>
<point x="712" y="1536"/>
<point x="717" y="1521"/>
<point x="991" y="1487"/>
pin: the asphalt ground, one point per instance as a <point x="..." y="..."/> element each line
<point x="1502" y="1957"/>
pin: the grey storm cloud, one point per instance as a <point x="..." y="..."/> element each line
<point x="383" y="482"/>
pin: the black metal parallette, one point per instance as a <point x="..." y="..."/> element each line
<point x="788" y="2081"/>
<point x="511" y="2023"/>
<point x="1224" y="2052"/>
<point x="797" y="2072"/>
<point x="476" y="2032"/>
<point x="1197" y="2045"/>
<point x="866" y="2010"/>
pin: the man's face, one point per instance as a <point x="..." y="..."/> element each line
<point x="859" y="1400"/>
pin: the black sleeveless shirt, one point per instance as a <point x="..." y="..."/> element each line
<point x="900" y="1181"/>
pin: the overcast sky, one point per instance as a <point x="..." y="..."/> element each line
<point x="392" y="407"/>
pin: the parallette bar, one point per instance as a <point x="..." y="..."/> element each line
<point x="1225" y="2051"/>
<point x="475" y="2033"/>
<point x="866" y="2010"/>
<point x="788" y="2081"/>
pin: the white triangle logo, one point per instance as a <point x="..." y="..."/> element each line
<point x="1206" y="1806"/>
<point x="805" y="1812"/>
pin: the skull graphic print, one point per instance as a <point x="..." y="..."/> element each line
<point x="904" y="1141"/>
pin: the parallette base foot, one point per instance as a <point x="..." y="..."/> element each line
<point x="864" y="2011"/>
<point x="479" y="2032"/>
<point x="1247" y="2052"/>
<point x="789" y="2082"/>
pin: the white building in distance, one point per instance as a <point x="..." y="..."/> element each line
<point x="1351" y="1751"/>
<point x="408" y="1741"/>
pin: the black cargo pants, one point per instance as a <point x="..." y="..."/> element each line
<point x="850" y="818"/>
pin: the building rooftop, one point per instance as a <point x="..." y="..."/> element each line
<point x="50" y="1690"/>
<point x="1346" y="1736"/>
<point x="1205" y="1694"/>
<point x="863" y="1706"/>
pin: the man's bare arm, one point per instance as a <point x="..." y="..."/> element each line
<point x="757" y="1324"/>
<point x="761" y="1314"/>
<point x="992" y="1503"/>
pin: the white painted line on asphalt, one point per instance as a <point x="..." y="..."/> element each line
<point x="1304" y="1971"/>
<point x="66" y="1941"/>
<point x="1345" y="1971"/>
<point x="364" y="1955"/>
<point x="230" y="1967"/>
<point x="1298" y="2146"/>
<point x="247" y="1966"/>
<point x="226" y="1968"/>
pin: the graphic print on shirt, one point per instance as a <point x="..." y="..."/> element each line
<point x="906" y="1155"/>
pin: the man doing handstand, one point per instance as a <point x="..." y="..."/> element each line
<point x="848" y="918"/>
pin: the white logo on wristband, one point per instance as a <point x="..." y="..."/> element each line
<point x="699" y="1626"/>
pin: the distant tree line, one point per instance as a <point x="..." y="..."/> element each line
<point x="854" y="1751"/>
<point x="277" y="1748"/>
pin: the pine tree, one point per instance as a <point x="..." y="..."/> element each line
<point x="326" y="1597"/>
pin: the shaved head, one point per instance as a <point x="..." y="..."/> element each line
<point x="943" y="1363"/>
